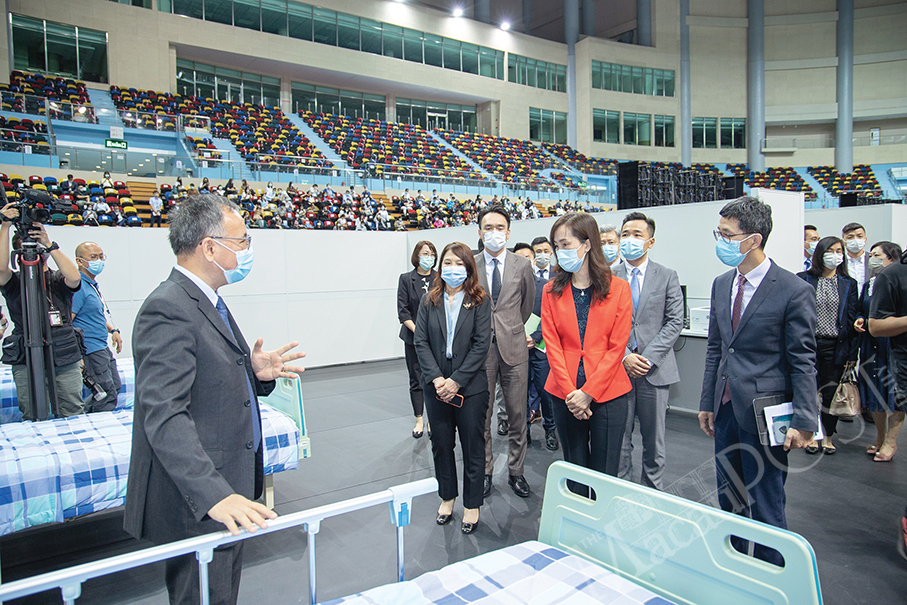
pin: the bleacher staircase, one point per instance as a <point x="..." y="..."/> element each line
<point x="141" y="193"/>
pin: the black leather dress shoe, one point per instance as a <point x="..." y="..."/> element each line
<point x="443" y="519"/>
<point x="503" y="427"/>
<point x="486" y="489"/>
<point x="551" y="440"/>
<point x="468" y="528"/>
<point x="519" y="485"/>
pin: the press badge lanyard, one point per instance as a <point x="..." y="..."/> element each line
<point x="106" y="308"/>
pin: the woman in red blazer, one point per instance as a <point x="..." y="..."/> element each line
<point x="586" y="316"/>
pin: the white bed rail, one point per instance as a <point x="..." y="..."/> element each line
<point x="69" y="581"/>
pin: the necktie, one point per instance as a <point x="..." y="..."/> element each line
<point x="541" y="274"/>
<point x="256" y="426"/>
<point x="495" y="281"/>
<point x="634" y="292"/>
<point x="735" y="319"/>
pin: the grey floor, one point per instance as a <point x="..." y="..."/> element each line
<point x="360" y="419"/>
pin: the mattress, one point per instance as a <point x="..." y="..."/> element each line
<point x="530" y="572"/>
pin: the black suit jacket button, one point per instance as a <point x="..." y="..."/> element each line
<point x="249" y="445"/>
<point x="247" y="403"/>
<point x="239" y="361"/>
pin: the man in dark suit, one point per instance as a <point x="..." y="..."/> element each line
<point x="649" y="358"/>
<point x="196" y="461"/>
<point x="508" y="280"/>
<point x="762" y="327"/>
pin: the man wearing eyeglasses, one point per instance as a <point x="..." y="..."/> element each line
<point x="197" y="446"/>
<point x="91" y="314"/>
<point x="762" y="342"/>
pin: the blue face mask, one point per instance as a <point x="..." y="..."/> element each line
<point x="610" y="251"/>
<point x="243" y="265"/>
<point x="728" y="251"/>
<point x="568" y="260"/>
<point x="453" y="276"/>
<point x="426" y="262"/>
<point x="95" y="267"/>
<point x="812" y="247"/>
<point x="632" y="248"/>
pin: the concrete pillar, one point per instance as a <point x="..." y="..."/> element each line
<point x="390" y="108"/>
<point x="686" y="112"/>
<point x="844" y="125"/>
<point x="588" y="17"/>
<point x="755" y="84"/>
<point x="527" y="15"/>
<point x="482" y="11"/>
<point x="571" y="36"/>
<point x="286" y="95"/>
<point x="644" y="22"/>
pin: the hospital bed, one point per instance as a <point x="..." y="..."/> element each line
<point x="630" y="545"/>
<point x="67" y="467"/>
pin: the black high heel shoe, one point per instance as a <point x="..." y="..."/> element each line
<point x="443" y="519"/>
<point x="468" y="528"/>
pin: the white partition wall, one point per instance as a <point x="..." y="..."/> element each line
<point x="335" y="292"/>
<point x="885" y="222"/>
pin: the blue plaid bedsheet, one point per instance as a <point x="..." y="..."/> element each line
<point x="9" y="406"/>
<point x="530" y="572"/>
<point x="62" y="468"/>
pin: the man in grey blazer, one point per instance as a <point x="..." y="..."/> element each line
<point x="509" y="282"/>
<point x="196" y="462"/>
<point x="762" y="327"/>
<point x="649" y="359"/>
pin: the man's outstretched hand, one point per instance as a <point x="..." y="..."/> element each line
<point x="236" y="509"/>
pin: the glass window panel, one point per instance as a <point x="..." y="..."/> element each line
<point x="451" y="54"/>
<point x="561" y="79"/>
<point x="499" y="65"/>
<point x="347" y="31"/>
<point x="541" y="75"/>
<point x="328" y="100"/>
<point x="535" y="124"/>
<point x="638" y="82"/>
<point x="612" y="129"/>
<point x="247" y="14"/>
<point x="547" y="126"/>
<point x="643" y="129"/>
<point x="185" y="80"/>
<point x="190" y="8"/>
<point x="470" y="54"/>
<point x="596" y="75"/>
<point x="325" y="26"/>
<point x="740" y="134"/>
<point x="164" y="6"/>
<point x="455" y="120"/>
<point x="219" y="11"/>
<point x="270" y="94"/>
<point x="419" y="116"/>
<point x="92" y="55"/>
<point x="650" y="81"/>
<point x="607" y="82"/>
<point x="629" y="128"/>
<point x="511" y="68"/>
<point x="274" y="17"/>
<point x="669" y="131"/>
<point x="698" y="133"/>
<point x="393" y="41"/>
<point x="727" y="133"/>
<point x="303" y="97"/>
<point x="432" y="50"/>
<point x="412" y="46"/>
<point x="626" y="78"/>
<point x="28" y="44"/>
<point x="370" y="36"/>
<point x="486" y="62"/>
<point x="598" y="125"/>
<point x="374" y="106"/>
<point x="300" y="21"/>
<point x="560" y="128"/>
<point x="469" y="120"/>
<point x="711" y="133"/>
<point x="659" y="136"/>
<point x="530" y="72"/>
<point x="669" y="82"/>
<point x="659" y="83"/>
<point x="61" y="49"/>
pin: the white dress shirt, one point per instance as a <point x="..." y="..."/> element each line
<point x="546" y="272"/>
<point x="489" y="266"/>
<point x="198" y="281"/>
<point x="856" y="268"/>
<point x="642" y="272"/>
<point x="753" y="279"/>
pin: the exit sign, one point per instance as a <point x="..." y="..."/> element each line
<point x="114" y="144"/>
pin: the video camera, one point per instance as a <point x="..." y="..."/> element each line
<point x="35" y="207"/>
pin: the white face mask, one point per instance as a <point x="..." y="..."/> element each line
<point x="831" y="260"/>
<point x="495" y="240"/>
<point x="855" y="245"/>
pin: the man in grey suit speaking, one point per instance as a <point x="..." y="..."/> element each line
<point x="649" y="359"/>
<point x="762" y="342"/>
<point x="510" y="284"/>
<point x="196" y="463"/>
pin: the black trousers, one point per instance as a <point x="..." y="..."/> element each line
<point x="415" y="378"/>
<point x="469" y="421"/>
<point x="224" y="571"/>
<point x="594" y="443"/>
<point x="828" y="375"/>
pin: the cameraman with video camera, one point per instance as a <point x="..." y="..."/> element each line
<point x="59" y="288"/>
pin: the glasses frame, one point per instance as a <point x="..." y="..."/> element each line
<point x="719" y="235"/>
<point x="247" y="240"/>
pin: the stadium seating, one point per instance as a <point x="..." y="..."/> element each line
<point x="16" y="135"/>
<point x="204" y="147"/>
<point x="581" y="162"/>
<point x="861" y="180"/>
<point x="364" y="142"/>
<point x="705" y="168"/>
<point x="32" y="92"/>
<point x="260" y="133"/>
<point x="566" y="181"/>
<point x="511" y="160"/>
<point x="781" y="178"/>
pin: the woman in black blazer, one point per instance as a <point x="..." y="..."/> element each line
<point x="837" y="300"/>
<point x="452" y="338"/>
<point x="410" y="288"/>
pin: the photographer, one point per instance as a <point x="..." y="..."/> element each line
<point x="67" y="352"/>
